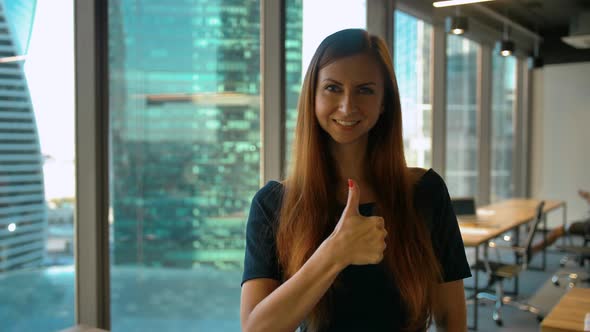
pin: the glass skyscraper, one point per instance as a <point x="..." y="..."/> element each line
<point x="23" y="220"/>
<point x="185" y="129"/>
<point x="184" y="101"/>
<point x="293" y="69"/>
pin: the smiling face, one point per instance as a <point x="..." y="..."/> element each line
<point x="349" y="98"/>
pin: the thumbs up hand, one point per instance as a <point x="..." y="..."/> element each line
<point x="356" y="239"/>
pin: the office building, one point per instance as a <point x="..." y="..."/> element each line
<point x="185" y="137"/>
<point x="23" y="220"/>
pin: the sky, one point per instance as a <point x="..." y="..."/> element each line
<point x="49" y="69"/>
<point x="324" y="17"/>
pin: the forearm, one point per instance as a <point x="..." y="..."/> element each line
<point x="452" y="321"/>
<point x="450" y="311"/>
<point x="451" y="324"/>
<point x="286" y="307"/>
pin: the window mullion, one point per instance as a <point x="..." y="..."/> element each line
<point x="380" y="20"/>
<point x="438" y="92"/>
<point x="272" y="110"/>
<point x="484" y="125"/>
<point x="91" y="225"/>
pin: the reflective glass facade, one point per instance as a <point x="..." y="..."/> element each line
<point x="36" y="227"/>
<point x="23" y="216"/>
<point x="185" y="158"/>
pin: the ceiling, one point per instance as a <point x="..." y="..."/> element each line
<point x="541" y="16"/>
<point x="551" y="20"/>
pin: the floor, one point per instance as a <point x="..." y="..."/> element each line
<point x="535" y="287"/>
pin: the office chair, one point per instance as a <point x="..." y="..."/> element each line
<point x="498" y="271"/>
<point x="581" y="253"/>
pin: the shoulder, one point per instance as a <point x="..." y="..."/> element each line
<point x="270" y="191"/>
<point x="430" y="193"/>
<point x="269" y="197"/>
<point x="416" y="173"/>
<point x="427" y="182"/>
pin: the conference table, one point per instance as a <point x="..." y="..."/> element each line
<point x="568" y="315"/>
<point x="495" y="220"/>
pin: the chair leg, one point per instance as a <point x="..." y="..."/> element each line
<point x="525" y="307"/>
<point x="486" y="296"/>
<point x="563" y="261"/>
<point x="499" y="302"/>
<point x="572" y="279"/>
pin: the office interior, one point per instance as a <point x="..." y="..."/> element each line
<point x="181" y="111"/>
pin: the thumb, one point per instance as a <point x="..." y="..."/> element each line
<point x="354" y="194"/>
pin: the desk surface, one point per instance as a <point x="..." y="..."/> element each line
<point x="496" y="219"/>
<point x="568" y="315"/>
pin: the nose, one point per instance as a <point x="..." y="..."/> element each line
<point x="348" y="104"/>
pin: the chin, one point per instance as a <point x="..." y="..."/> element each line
<point x="346" y="140"/>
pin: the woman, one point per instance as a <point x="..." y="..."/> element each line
<point x="326" y="258"/>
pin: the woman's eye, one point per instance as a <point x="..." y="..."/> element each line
<point x="332" y="88"/>
<point x="366" y="91"/>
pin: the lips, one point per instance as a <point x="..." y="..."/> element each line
<point x="346" y="123"/>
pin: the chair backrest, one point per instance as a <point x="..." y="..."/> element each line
<point x="533" y="229"/>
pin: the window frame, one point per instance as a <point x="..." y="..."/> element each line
<point x="92" y="143"/>
<point x="92" y="186"/>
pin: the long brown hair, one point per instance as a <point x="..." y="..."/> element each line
<point x="309" y="209"/>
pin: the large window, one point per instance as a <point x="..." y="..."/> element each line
<point x="185" y="141"/>
<point x="307" y="23"/>
<point x="412" y="68"/>
<point x="37" y="279"/>
<point x="503" y="126"/>
<point x="462" y="138"/>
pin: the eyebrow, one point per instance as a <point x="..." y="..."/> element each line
<point x="331" y="80"/>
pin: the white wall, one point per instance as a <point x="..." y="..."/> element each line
<point x="560" y="142"/>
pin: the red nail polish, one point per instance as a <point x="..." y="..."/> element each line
<point x="350" y="183"/>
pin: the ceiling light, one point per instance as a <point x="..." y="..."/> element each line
<point x="537" y="60"/>
<point x="448" y="3"/>
<point x="457" y="25"/>
<point x="506" y="45"/>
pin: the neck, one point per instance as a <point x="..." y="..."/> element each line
<point x="350" y="160"/>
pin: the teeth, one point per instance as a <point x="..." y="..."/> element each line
<point x="347" y="123"/>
